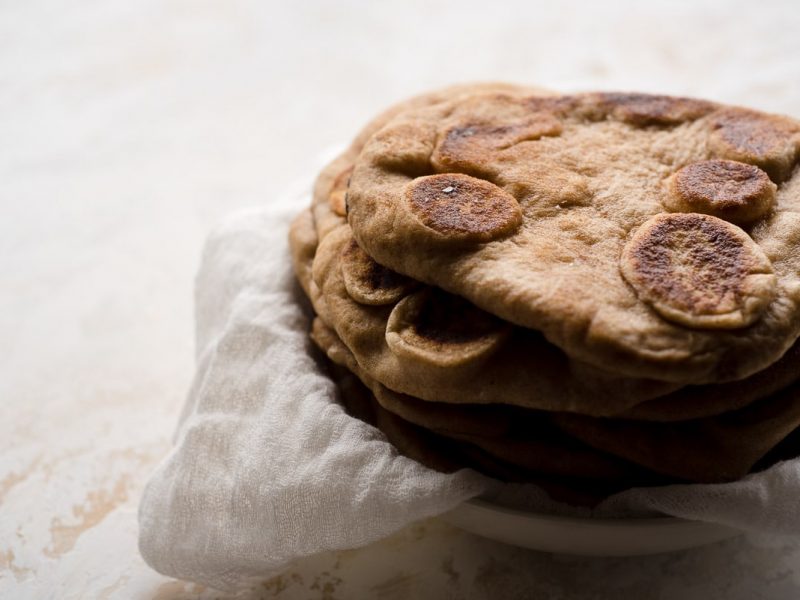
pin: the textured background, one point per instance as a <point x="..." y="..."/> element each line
<point x="129" y="128"/>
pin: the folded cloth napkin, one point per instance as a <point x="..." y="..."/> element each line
<point x="267" y="467"/>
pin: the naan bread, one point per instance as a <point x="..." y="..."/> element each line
<point x="689" y="402"/>
<point x="438" y="347"/>
<point x="555" y="214"/>
<point x="545" y="451"/>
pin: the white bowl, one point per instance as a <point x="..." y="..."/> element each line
<point x="584" y="536"/>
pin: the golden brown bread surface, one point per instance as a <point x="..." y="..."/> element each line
<point x="651" y="238"/>
<point x="733" y="191"/>
<point x="566" y="183"/>
<point x="698" y="271"/>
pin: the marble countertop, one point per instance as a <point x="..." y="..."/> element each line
<point x="129" y="128"/>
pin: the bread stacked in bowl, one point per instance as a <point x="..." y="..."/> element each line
<point x="588" y="292"/>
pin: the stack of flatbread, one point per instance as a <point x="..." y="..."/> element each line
<point x="588" y="292"/>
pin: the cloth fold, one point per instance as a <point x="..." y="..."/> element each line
<point x="267" y="467"/>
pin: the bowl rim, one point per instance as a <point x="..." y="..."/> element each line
<point x="485" y="505"/>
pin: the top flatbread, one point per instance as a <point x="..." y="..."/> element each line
<point x="647" y="235"/>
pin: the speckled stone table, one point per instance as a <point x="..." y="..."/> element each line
<point x="129" y="128"/>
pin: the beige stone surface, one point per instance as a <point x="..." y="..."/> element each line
<point x="129" y="128"/>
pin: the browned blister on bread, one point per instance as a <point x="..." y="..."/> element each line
<point x="367" y="282"/>
<point x="462" y="208"/>
<point x="648" y="109"/>
<point x="731" y="190"/>
<point x="464" y="146"/>
<point x="443" y="330"/>
<point x="699" y="271"/>
<point x="768" y="141"/>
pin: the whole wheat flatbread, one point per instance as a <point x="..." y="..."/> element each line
<point x="554" y="213"/>
<point x="689" y="402"/>
<point x="442" y="349"/>
<point x="722" y="448"/>
<point x="547" y="452"/>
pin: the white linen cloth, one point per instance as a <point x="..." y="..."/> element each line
<point x="267" y="467"/>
